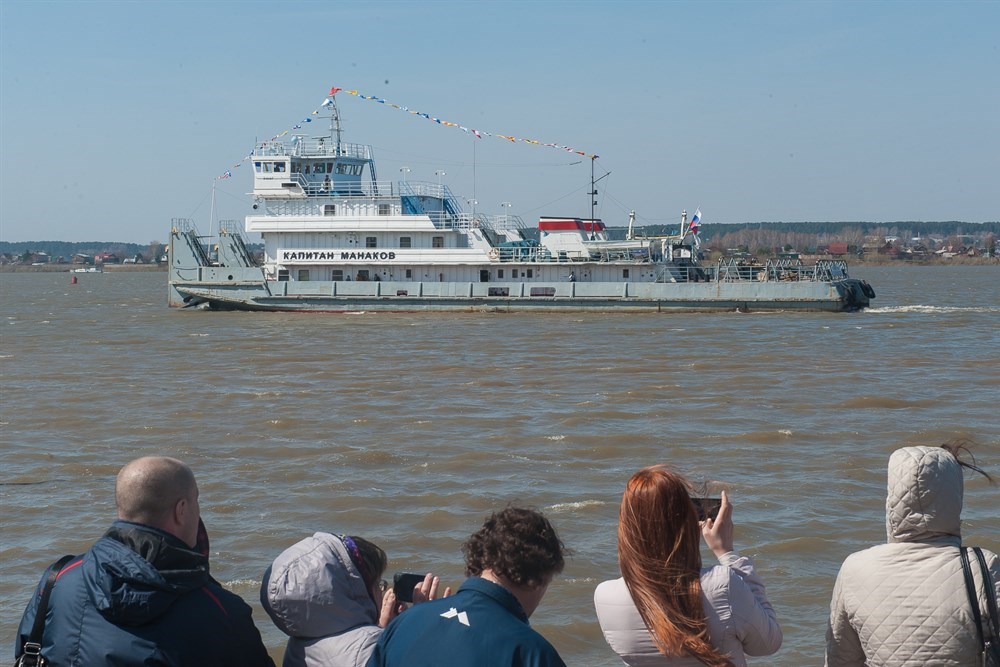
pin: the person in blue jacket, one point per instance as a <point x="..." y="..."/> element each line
<point x="142" y="594"/>
<point x="510" y="562"/>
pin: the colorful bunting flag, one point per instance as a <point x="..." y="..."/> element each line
<point x="479" y="134"/>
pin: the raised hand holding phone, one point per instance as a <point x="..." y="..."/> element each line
<point x="718" y="531"/>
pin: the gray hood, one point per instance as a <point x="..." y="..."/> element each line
<point x="924" y="499"/>
<point x="314" y="590"/>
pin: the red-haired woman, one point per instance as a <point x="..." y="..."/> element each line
<point x="667" y="609"/>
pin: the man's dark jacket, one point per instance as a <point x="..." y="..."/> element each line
<point x="482" y="625"/>
<point x="140" y="596"/>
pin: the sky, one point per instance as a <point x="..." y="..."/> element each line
<point x="116" y="117"/>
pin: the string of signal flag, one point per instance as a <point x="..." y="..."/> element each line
<point x="478" y="134"/>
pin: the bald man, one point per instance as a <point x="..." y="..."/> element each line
<point x="143" y="595"/>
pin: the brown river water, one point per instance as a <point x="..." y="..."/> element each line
<point x="410" y="429"/>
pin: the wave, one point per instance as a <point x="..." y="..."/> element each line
<point x="558" y="507"/>
<point x="862" y="402"/>
<point x="932" y="309"/>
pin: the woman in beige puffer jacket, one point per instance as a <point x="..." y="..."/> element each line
<point x="904" y="603"/>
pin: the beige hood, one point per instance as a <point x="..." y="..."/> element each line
<point x="924" y="496"/>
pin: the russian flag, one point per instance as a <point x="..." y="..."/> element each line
<point x="695" y="222"/>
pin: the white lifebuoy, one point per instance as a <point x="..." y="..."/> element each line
<point x="494" y="253"/>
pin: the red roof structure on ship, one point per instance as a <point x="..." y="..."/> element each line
<point x="570" y="224"/>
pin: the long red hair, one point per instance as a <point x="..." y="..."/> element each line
<point x="659" y="551"/>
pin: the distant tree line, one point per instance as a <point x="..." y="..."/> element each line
<point x="817" y="229"/>
<point x="150" y="252"/>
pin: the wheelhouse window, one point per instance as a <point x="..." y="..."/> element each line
<point x="383" y="209"/>
<point x="337" y="274"/>
<point x="499" y="273"/>
<point x="530" y="273"/>
<point x="303" y="275"/>
<point x="624" y="273"/>
<point x="409" y="274"/>
<point x="371" y="241"/>
<point x="513" y="273"/>
<point x="329" y="209"/>
<point x="437" y="242"/>
<point x="405" y="242"/>
<point x="282" y="275"/>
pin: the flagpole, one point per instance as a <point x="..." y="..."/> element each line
<point x="211" y="218"/>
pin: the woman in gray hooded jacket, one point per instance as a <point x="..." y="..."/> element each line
<point x="904" y="603"/>
<point x="326" y="593"/>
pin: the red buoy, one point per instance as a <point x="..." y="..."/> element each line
<point x="72" y="280"/>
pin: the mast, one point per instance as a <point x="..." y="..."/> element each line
<point x="335" y="122"/>
<point x="593" y="188"/>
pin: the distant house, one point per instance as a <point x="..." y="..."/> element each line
<point x="889" y="250"/>
<point x="136" y="259"/>
<point x="106" y="258"/>
<point x="838" y="249"/>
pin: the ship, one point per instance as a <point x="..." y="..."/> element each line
<point x="337" y="239"/>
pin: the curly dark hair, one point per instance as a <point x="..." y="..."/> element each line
<point x="517" y="543"/>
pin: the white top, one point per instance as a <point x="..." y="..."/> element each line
<point x="740" y="618"/>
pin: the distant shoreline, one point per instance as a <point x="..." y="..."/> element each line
<point x="69" y="268"/>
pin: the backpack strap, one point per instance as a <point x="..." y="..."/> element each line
<point x="970" y="588"/>
<point x="990" y="591"/>
<point x="32" y="649"/>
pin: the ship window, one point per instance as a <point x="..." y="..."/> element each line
<point x="404" y="242"/>
<point x="530" y="273"/>
<point x="371" y="242"/>
<point x="296" y="167"/>
<point x="320" y="168"/>
<point x="513" y="273"/>
<point x="409" y="274"/>
<point x="303" y="274"/>
<point x="329" y="209"/>
<point x="256" y="166"/>
<point x="341" y="168"/>
<point x="362" y="274"/>
<point x="268" y="167"/>
<point x="624" y="273"/>
<point x="499" y="273"/>
<point x="383" y="209"/>
<point x="329" y="167"/>
<point x="337" y="274"/>
<point x="437" y="242"/>
<point x="279" y="167"/>
<point x="282" y="275"/>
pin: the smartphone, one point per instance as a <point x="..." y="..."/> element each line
<point x="707" y="508"/>
<point x="403" y="584"/>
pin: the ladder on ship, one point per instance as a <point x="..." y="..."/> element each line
<point x="233" y="249"/>
<point x="186" y="230"/>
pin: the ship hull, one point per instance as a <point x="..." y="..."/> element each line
<point x="348" y="297"/>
